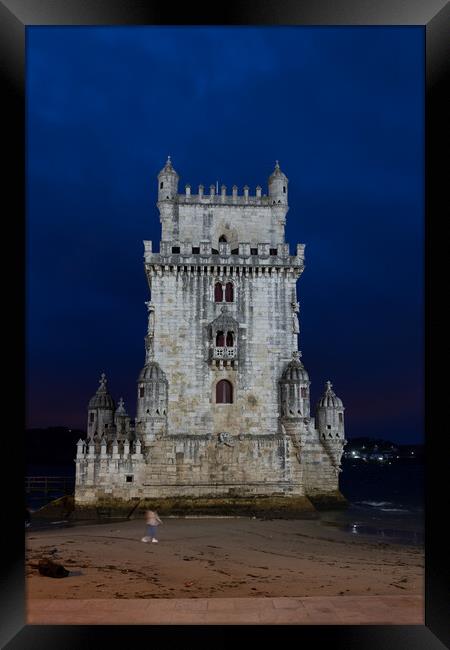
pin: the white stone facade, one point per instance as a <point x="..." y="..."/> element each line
<point x="223" y="403"/>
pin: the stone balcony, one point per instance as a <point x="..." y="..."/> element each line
<point x="224" y="353"/>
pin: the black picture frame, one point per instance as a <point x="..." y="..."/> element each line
<point x="15" y="16"/>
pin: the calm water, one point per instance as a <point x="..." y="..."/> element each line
<point x="386" y="501"/>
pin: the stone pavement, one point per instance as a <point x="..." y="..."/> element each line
<point x="331" y="610"/>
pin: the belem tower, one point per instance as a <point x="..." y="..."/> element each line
<point x="223" y="400"/>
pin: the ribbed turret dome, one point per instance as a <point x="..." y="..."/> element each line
<point x="277" y="173"/>
<point x="295" y="370"/>
<point x="102" y="398"/>
<point x="168" y="168"/>
<point x="329" y="399"/>
<point x="152" y="372"/>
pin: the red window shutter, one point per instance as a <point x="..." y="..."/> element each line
<point x="224" y="392"/>
<point x="218" y="292"/>
<point x="229" y="292"/>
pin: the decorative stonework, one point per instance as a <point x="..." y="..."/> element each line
<point x="223" y="403"/>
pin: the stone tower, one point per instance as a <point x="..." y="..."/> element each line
<point x="223" y="401"/>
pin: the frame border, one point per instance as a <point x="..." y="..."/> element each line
<point x="433" y="16"/>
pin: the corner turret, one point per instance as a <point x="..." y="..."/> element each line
<point x="122" y="421"/>
<point x="101" y="410"/>
<point x="167" y="182"/>
<point x="151" y="416"/>
<point x="294" y="385"/>
<point x="330" y="424"/>
<point x="278" y="186"/>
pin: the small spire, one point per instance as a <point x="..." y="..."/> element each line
<point x="277" y="166"/>
<point x="329" y="385"/>
<point x="102" y="381"/>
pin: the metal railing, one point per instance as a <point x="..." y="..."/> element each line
<point x="50" y="484"/>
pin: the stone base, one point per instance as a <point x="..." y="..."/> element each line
<point x="329" y="500"/>
<point x="295" y="507"/>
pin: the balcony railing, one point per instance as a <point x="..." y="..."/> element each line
<point x="224" y="353"/>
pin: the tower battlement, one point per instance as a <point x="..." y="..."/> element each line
<point x="222" y="198"/>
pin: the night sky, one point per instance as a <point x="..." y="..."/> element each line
<point x="342" y="109"/>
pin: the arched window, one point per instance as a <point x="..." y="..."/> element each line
<point x="224" y="392"/>
<point x="218" y="292"/>
<point x="230" y="340"/>
<point x="222" y="238"/>
<point x="220" y="339"/>
<point x="229" y="292"/>
<point x="303" y="392"/>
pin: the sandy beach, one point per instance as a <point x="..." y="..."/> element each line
<point x="220" y="558"/>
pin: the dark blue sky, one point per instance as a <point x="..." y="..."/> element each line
<point x="341" y="108"/>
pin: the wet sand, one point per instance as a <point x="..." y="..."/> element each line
<point x="220" y="558"/>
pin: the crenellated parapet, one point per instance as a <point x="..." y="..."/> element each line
<point x="104" y="462"/>
<point x="215" y="199"/>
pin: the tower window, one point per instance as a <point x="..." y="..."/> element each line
<point x="253" y="251"/>
<point x="229" y="292"/>
<point x="161" y="185"/>
<point x="341" y="417"/>
<point x="328" y="426"/>
<point x="91" y="417"/>
<point x="222" y="238"/>
<point x="195" y="250"/>
<point x="218" y="292"/>
<point x="273" y="251"/>
<point x="230" y="340"/>
<point x="284" y="189"/>
<point x="141" y="391"/>
<point x="129" y="479"/>
<point x="220" y="340"/>
<point x="224" y="392"/>
<point x="175" y="249"/>
<point x="303" y="392"/>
